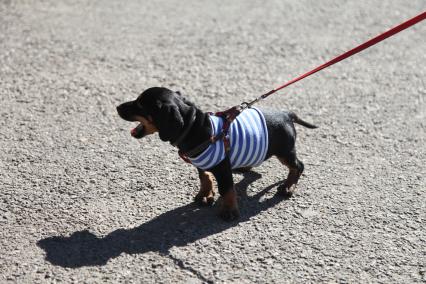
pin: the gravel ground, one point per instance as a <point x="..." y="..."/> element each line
<point x="81" y="200"/>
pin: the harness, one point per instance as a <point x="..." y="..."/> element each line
<point x="228" y="116"/>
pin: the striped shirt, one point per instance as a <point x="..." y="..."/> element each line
<point x="248" y="137"/>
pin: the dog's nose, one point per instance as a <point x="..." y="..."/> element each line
<point x="127" y="111"/>
<point x="120" y="110"/>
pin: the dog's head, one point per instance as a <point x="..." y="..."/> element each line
<point x="157" y="110"/>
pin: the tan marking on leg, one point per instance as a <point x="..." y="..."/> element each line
<point x="206" y="193"/>
<point x="229" y="210"/>
<point x="292" y="178"/>
<point x="230" y="199"/>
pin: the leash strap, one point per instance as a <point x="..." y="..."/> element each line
<point x="230" y="114"/>
<point x="345" y="55"/>
<point x="228" y="117"/>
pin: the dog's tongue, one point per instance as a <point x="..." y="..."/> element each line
<point x="137" y="132"/>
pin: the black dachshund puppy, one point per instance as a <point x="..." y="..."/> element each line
<point x="254" y="136"/>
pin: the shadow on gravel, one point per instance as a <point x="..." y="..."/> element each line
<point x="177" y="227"/>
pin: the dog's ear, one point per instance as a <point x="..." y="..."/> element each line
<point x="168" y="120"/>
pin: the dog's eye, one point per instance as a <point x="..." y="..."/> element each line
<point x="142" y="111"/>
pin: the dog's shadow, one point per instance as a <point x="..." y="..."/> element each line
<point x="177" y="227"/>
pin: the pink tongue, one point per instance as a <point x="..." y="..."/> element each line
<point x="136" y="132"/>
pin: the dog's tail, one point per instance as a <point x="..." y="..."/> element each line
<point x="297" y="120"/>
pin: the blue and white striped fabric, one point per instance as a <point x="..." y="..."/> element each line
<point x="248" y="137"/>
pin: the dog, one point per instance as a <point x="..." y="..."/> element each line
<point x="254" y="136"/>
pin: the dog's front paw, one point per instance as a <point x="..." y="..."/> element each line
<point x="229" y="207"/>
<point x="229" y="214"/>
<point x="286" y="191"/>
<point x="204" y="200"/>
<point x="205" y="196"/>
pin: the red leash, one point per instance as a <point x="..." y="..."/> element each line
<point x="230" y="114"/>
<point x="345" y="55"/>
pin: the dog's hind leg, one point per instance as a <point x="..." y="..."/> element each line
<point x="295" y="167"/>
<point x="205" y="195"/>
